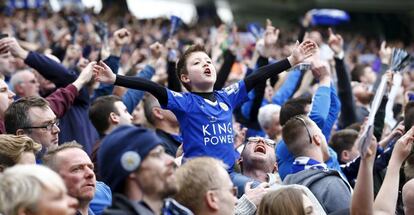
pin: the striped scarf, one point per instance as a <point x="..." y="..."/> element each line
<point x="304" y="163"/>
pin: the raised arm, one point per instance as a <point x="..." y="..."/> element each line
<point x="104" y="74"/>
<point x="50" y="69"/>
<point x="121" y="38"/>
<point x="225" y="69"/>
<point x="386" y="200"/>
<point x="348" y="114"/>
<point x="322" y="99"/>
<point x="300" y="53"/>
<point x="173" y="81"/>
<point x="363" y="197"/>
<point x="62" y="99"/>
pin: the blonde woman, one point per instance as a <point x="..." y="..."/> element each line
<point x="35" y="190"/>
<point x="17" y="150"/>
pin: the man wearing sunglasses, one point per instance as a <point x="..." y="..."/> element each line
<point x="308" y="145"/>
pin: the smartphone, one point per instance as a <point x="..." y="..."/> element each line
<point x="3" y="36"/>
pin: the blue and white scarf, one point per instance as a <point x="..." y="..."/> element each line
<point x="304" y="163"/>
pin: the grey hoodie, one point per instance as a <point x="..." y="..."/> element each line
<point x="327" y="185"/>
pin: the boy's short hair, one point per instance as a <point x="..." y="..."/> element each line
<point x="343" y="140"/>
<point x="182" y="62"/>
<point x="100" y="111"/>
<point x="294" y="107"/>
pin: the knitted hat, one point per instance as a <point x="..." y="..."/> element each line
<point x="122" y="151"/>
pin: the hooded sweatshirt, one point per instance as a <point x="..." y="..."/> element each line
<point x="329" y="188"/>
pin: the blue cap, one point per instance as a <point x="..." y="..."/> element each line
<point x="122" y="151"/>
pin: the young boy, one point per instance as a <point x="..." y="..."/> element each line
<point x="205" y="116"/>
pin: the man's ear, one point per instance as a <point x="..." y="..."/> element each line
<point x="113" y="117"/>
<point x="240" y="161"/>
<point x="184" y="78"/>
<point x="157" y="111"/>
<point x="20" y="132"/>
<point x="316" y="139"/>
<point x="212" y="200"/>
<point x="344" y="155"/>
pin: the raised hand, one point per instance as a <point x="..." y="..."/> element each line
<point x="221" y="35"/>
<point x="403" y="147"/>
<point x="271" y="34"/>
<point x="85" y="76"/>
<point x="302" y="51"/>
<point x="103" y="73"/>
<point x="385" y="53"/>
<point x="335" y="41"/>
<point x="235" y="45"/>
<point x="156" y="50"/>
<point x="10" y="44"/>
<point x="321" y="70"/>
<point x="266" y="46"/>
<point x="396" y="133"/>
<point x="122" y="37"/>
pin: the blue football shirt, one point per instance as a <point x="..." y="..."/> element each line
<point x="206" y="126"/>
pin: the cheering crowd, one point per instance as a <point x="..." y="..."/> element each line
<point x="141" y="117"/>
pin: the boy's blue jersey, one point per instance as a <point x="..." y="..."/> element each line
<point x="206" y="126"/>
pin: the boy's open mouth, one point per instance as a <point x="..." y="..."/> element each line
<point x="207" y="72"/>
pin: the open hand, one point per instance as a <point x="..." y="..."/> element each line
<point x="10" y="44"/>
<point x="103" y="73"/>
<point x="403" y="147"/>
<point x="271" y="34"/>
<point x="302" y="51"/>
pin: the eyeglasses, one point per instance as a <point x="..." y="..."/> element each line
<point x="48" y="127"/>
<point x="233" y="190"/>
<point x="268" y="142"/>
<point x="306" y="127"/>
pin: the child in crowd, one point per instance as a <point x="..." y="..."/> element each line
<point x="205" y="116"/>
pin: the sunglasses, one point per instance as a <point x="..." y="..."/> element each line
<point x="306" y="127"/>
<point x="268" y="142"/>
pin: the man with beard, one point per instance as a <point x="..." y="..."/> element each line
<point x="258" y="159"/>
<point x="133" y="163"/>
